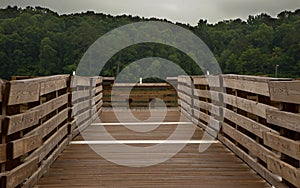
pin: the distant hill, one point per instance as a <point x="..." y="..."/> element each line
<point x="38" y="41"/>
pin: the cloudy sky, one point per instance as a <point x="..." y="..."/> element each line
<point x="186" y="11"/>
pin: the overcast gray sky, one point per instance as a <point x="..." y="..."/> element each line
<point x="186" y="11"/>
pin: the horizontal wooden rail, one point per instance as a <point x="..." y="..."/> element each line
<point x="138" y="95"/>
<point x="39" y="117"/>
<point x="259" y="117"/>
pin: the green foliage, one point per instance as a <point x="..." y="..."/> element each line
<point x="38" y="41"/>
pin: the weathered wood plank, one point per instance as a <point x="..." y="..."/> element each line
<point x="77" y="81"/>
<point x="253" y="107"/>
<point x="185" y="97"/>
<point x="78" y="107"/>
<point x="209" y="94"/>
<point x="260" y="88"/>
<point x="201" y="115"/>
<point x="254" y="147"/>
<point x="80" y="95"/>
<point x="284" y="170"/>
<point x="48" y="126"/>
<point x="261" y="170"/>
<point x="200" y="80"/>
<point x="282" y="144"/>
<point x="22" y="121"/>
<point x="82" y="117"/>
<point x="19" y="174"/>
<point x="185" y="80"/>
<point x="185" y="89"/>
<point x="283" y="119"/>
<point x="2" y="153"/>
<point x="53" y="85"/>
<point x="23" y="92"/>
<point x="248" y="124"/>
<point x="52" y="105"/>
<point x="25" y="145"/>
<point x="288" y="92"/>
<point x="99" y="89"/>
<point x="214" y="81"/>
<point x="47" y="146"/>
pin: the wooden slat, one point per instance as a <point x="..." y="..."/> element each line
<point x="260" y="88"/>
<point x="253" y="107"/>
<point x="248" y="124"/>
<point x="261" y="170"/>
<point x="53" y="85"/>
<point x="201" y="115"/>
<point x="82" y="117"/>
<point x="284" y="170"/>
<point x="286" y="120"/>
<point x="209" y="94"/>
<point x="185" y="89"/>
<point x="52" y="105"/>
<point x="99" y="89"/>
<point x="80" y="106"/>
<point x="48" y="126"/>
<point x="214" y="81"/>
<point x="213" y="109"/>
<point x="80" y="95"/>
<point x="44" y="150"/>
<point x="22" y="121"/>
<point x="258" y="150"/>
<point x="80" y="81"/>
<point x="185" y="97"/>
<point x="185" y="80"/>
<point x="20" y="173"/>
<point x="282" y="144"/>
<point x="23" y="92"/>
<point x="288" y="92"/>
<point x="47" y="163"/>
<point x="25" y="145"/>
<point x="200" y="80"/>
<point x="2" y="153"/>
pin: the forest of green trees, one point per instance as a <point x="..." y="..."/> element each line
<point x="38" y="41"/>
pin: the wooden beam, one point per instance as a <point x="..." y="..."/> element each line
<point x="25" y="145"/>
<point x="260" y="88"/>
<point x="284" y="170"/>
<point x="48" y="107"/>
<point x="282" y="144"/>
<point x="48" y="126"/>
<point x="283" y="119"/>
<point x="49" y="145"/>
<point x="52" y="85"/>
<point x="2" y="153"/>
<point x="258" y="168"/>
<point x="19" y="174"/>
<point x="254" y="147"/>
<point x="248" y="124"/>
<point x="252" y="107"/>
<point x="288" y="92"/>
<point x="22" y="121"/>
<point x="23" y="92"/>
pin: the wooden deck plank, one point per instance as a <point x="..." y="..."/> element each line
<point x="80" y="166"/>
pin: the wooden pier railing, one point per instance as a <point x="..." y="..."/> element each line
<point x="39" y="117"/>
<point x="261" y="120"/>
<point x="140" y="94"/>
<point x="258" y="119"/>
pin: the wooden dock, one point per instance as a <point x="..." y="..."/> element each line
<point x="80" y="166"/>
<point x="255" y="120"/>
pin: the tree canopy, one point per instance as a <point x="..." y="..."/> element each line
<point x="38" y="41"/>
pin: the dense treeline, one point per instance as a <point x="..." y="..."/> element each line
<point x="38" y="41"/>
